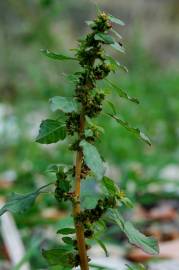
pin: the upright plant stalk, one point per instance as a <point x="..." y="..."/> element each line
<point x="77" y="123"/>
<point x="77" y="208"/>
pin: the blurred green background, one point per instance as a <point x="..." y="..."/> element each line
<point x="28" y="80"/>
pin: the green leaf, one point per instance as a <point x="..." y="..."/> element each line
<point x="112" y="106"/>
<point x="88" y="133"/>
<point x="59" y="256"/>
<point x="129" y="267"/>
<point x="90" y="23"/>
<point x="89" y="202"/>
<point x="60" y="267"/>
<point x="100" y="226"/>
<point x="116" y="33"/>
<point x="136" y="267"/>
<point x="124" y="68"/>
<point x="67" y="240"/>
<point x="116" y="20"/>
<point x="121" y="93"/>
<point x="65" y="222"/>
<point x="147" y="244"/>
<point x="135" y="131"/>
<point x="92" y="159"/>
<point x="107" y="39"/>
<point x="64" y="104"/>
<point x="127" y="202"/>
<point x="109" y="184"/>
<point x="102" y="245"/>
<point x="98" y="267"/>
<point x="56" y="168"/>
<point x="115" y="64"/>
<point x="19" y="203"/>
<point x="51" y="131"/>
<point x="57" y="56"/>
<point x="117" y="47"/>
<point x="66" y="231"/>
<point x="93" y="126"/>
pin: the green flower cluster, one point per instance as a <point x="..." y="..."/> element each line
<point x="91" y="57"/>
<point x="63" y="186"/>
<point x="90" y="216"/>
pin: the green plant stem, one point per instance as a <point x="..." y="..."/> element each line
<point x="76" y="210"/>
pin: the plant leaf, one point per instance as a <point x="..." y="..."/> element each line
<point x="51" y="131"/>
<point x="19" y="203"/>
<point x="56" y="168"/>
<point x="92" y="159"/>
<point x="136" y="267"/>
<point x="117" y="47"/>
<point x="116" y="33"/>
<point x="64" y="104"/>
<point x="122" y="93"/>
<point x="102" y="245"/>
<point x="116" y="20"/>
<point x="56" y="56"/>
<point x="147" y="244"/>
<point x="68" y="240"/>
<point x="89" y="23"/>
<point x="127" y="202"/>
<point x="107" y="39"/>
<point x="99" y="267"/>
<point x="135" y="131"/>
<point x="112" y="106"/>
<point x="59" y="256"/>
<point x="109" y="184"/>
<point x="115" y="64"/>
<point x="66" y="231"/>
<point x="89" y="202"/>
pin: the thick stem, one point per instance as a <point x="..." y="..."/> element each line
<point x="76" y="210"/>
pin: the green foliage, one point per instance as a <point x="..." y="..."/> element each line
<point x="18" y="203"/>
<point x="51" y="131"/>
<point x="102" y="245"/>
<point x="122" y="93"/>
<point x="116" y="20"/>
<point x="107" y="39"/>
<point x="116" y="33"/>
<point x="147" y="244"/>
<point x="92" y="159"/>
<point x="66" y="231"/>
<point x="111" y="187"/>
<point x="64" y="104"/>
<point x="118" y="47"/>
<point x="56" y="56"/>
<point x="136" y="267"/>
<point x="115" y="65"/>
<point x="98" y="267"/>
<point x="58" y="256"/>
<point x="135" y="131"/>
<point x="67" y="240"/>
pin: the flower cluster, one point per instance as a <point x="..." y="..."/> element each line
<point x="72" y="123"/>
<point x="89" y="216"/>
<point x="63" y="186"/>
<point x="102" y="23"/>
